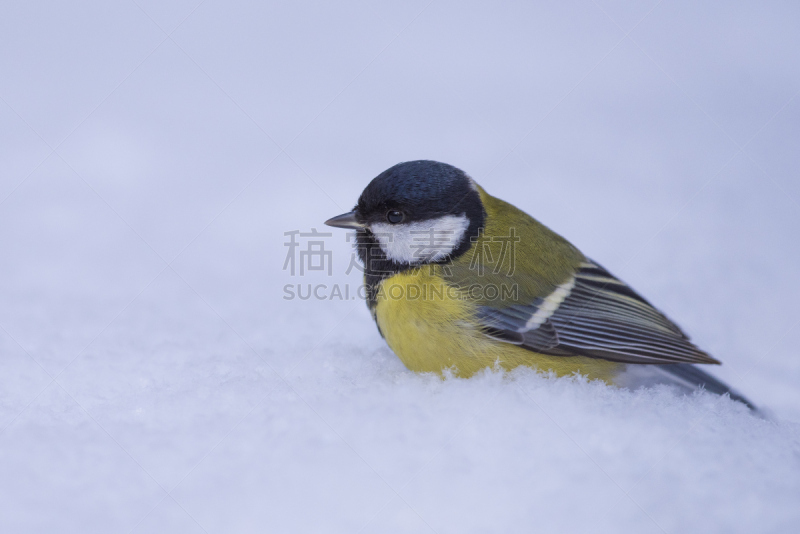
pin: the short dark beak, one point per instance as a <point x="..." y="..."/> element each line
<point x="345" y="220"/>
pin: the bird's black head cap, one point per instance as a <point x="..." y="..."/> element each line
<point x="421" y="190"/>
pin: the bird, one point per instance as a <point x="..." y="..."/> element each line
<point x="458" y="280"/>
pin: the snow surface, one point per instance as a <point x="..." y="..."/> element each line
<point x="154" y="379"/>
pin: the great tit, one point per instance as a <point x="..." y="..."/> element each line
<point x="459" y="280"/>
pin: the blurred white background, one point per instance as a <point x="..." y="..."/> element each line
<point x="153" y="378"/>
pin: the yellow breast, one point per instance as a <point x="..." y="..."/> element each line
<point x="430" y="326"/>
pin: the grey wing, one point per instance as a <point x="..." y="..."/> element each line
<point x="595" y="315"/>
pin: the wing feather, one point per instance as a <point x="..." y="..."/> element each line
<point x="600" y="317"/>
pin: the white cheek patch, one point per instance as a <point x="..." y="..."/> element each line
<point x="422" y="241"/>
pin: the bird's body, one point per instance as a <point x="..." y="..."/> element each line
<point x="458" y="280"/>
<point x="434" y="325"/>
<point x="439" y="332"/>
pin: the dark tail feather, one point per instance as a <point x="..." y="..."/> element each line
<point x="695" y="376"/>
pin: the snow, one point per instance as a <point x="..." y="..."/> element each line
<point x="154" y="379"/>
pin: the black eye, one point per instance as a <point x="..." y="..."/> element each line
<point x="394" y="216"/>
